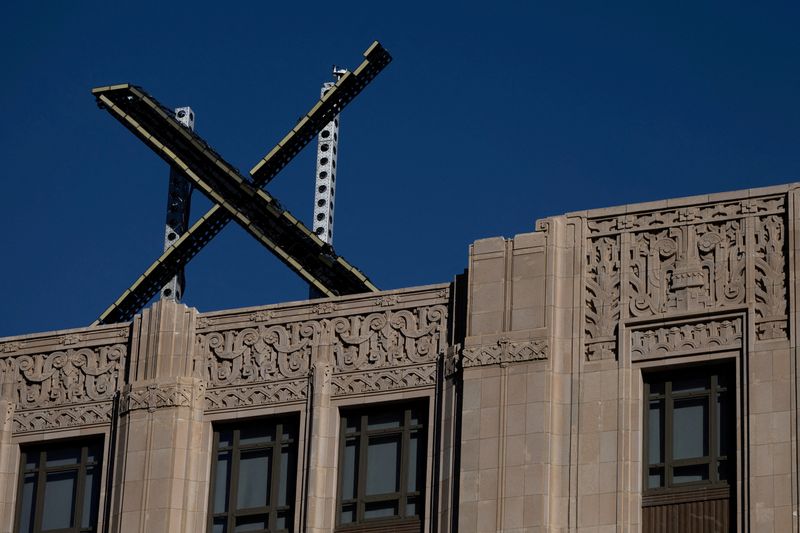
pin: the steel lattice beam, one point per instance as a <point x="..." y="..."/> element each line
<point x="236" y="197"/>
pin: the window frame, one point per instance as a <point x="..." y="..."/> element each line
<point x="401" y="496"/>
<point x="283" y="424"/>
<point x="713" y="458"/>
<point x="42" y="470"/>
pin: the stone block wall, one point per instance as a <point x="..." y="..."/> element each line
<point x="562" y="324"/>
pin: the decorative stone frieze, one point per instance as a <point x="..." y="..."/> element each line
<point x="389" y="338"/>
<point x="660" y="341"/>
<point x="267" y="359"/>
<point x="64" y="380"/>
<point x="155" y="396"/>
<point x="258" y="394"/>
<point x="66" y="376"/>
<point x="387" y="301"/>
<point x="324" y="308"/>
<point x="504" y="351"/>
<point x="86" y="414"/>
<point x="262" y="316"/>
<point x="10" y="347"/>
<point x="384" y="379"/>
<point x="257" y="354"/>
<point x="685" y="259"/>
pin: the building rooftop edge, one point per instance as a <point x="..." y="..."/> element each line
<point x="680" y="201"/>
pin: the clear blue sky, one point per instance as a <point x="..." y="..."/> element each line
<point x="488" y="118"/>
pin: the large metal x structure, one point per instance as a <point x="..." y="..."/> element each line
<point x="236" y="197"/>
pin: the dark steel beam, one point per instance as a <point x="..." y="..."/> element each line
<point x="236" y="197"/>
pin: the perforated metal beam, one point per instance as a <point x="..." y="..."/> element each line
<point x="179" y="201"/>
<point x="319" y="265"/>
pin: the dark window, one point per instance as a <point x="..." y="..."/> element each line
<point x="689" y="428"/>
<point x="253" y="476"/>
<point x="59" y="487"/>
<point x="382" y="468"/>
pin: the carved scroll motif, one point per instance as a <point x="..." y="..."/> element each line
<point x="697" y="337"/>
<point x="263" y="353"/>
<point x="64" y="388"/>
<point x="389" y="338"/>
<point x="770" y="274"/>
<point x="267" y="364"/>
<point x="67" y="377"/>
<point x="602" y="297"/>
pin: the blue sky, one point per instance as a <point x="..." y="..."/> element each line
<point x="487" y="119"/>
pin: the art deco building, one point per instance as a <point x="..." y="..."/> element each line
<point x="623" y="369"/>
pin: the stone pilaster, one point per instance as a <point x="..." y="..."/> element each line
<point x="321" y="495"/>
<point x="505" y="402"/>
<point x="9" y="465"/>
<point x="163" y="443"/>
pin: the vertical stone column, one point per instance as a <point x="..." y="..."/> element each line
<point x="9" y="459"/>
<point x="506" y="407"/>
<point x="163" y="443"/>
<point x="447" y="473"/>
<point x="321" y="467"/>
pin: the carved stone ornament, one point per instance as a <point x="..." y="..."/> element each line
<point x="266" y="364"/>
<point x="601" y="301"/>
<point x="688" y="338"/>
<point x="688" y="259"/>
<point x="65" y="377"/>
<point x="387" y="301"/>
<point x="389" y="338"/>
<point x="65" y="417"/>
<point x="63" y="388"/>
<point x="384" y="380"/>
<point x="324" y="308"/>
<point x="504" y="351"/>
<point x="10" y="347"/>
<point x="258" y="394"/>
<point x="262" y="316"/>
<point x="259" y="353"/>
<point x="770" y="274"/>
<point x="153" y="396"/>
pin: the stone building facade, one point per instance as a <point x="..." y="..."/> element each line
<point x="622" y="369"/>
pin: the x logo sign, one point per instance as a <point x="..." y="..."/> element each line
<point x="235" y="196"/>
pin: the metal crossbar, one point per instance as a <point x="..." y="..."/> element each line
<point x="235" y="196"/>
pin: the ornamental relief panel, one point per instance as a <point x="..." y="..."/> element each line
<point x="64" y="417"/>
<point x="71" y="376"/>
<point x="152" y="396"/>
<point x="389" y="338"/>
<point x="689" y="259"/>
<point x="602" y="296"/>
<point x="257" y="354"/>
<point x="504" y="351"/>
<point x="687" y="338"/>
<point x="687" y="268"/>
<point x="384" y="380"/>
<point x="770" y="277"/>
<point x="270" y="363"/>
<point x="258" y="394"/>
